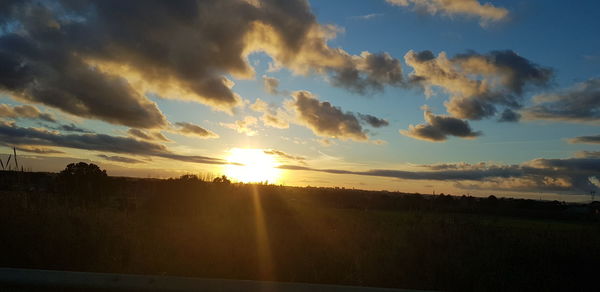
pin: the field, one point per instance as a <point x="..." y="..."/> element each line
<point x="188" y="227"/>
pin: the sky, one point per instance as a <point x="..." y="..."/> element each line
<point x="429" y="96"/>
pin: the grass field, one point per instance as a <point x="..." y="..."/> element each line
<point x="317" y="235"/>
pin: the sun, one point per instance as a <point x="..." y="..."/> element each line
<point x="252" y="165"/>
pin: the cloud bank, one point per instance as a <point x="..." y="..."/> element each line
<point x="569" y="176"/>
<point x="12" y="135"/>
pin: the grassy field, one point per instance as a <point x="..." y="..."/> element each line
<point x="317" y="235"/>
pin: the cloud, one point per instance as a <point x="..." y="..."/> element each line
<point x="12" y="135"/>
<point x="24" y="111"/>
<point x="325" y="142"/>
<point x="49" y="74"/>
<point x="32" y="112"/>
<point x="368" y="16"/>
<point x="326" y="120"/>
<point x="119" y="159"/>
<point x="558" y="175"/>
<point x="439" y="127"/>
<point x="272" y="116"/>
<point x="580" y="103"/>
<point x="477" y="83"/>
<point x="588" y="154"/>
<point x="271" y="84"/>
<point x="472" y="8"/>
<point x="373" y="120"/>
<point x="38" y="150"/>
<point x="99" y="59"/>
<point x="379" y="142"/>
<point x="71" y="128"/>
<point x="245" y="126"/>
<point x="284" y="155"/>
<point x="195" y="130"/>
<point x="595" y="139"/>
<point x="148" y="135"/>
<point x="509" y="115"/>
<point x="369" y="72"/>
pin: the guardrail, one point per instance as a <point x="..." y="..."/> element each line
<point x="48" y="280"/>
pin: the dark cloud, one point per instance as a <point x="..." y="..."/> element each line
<point x="516" y="71"/>
<point x="509" y="115"/>
<point x="24" y="111"/>
<point x="560" y="175"/>
<point x="148" y="135"/>
<point x="10" y="134"/>
<point x="119" y="159"/>
<point x="195" y="130"/>
<point x="47" y="73"/>
<point x="438" y="128"/>
<point x="373" y="120"/>
<point x="369" y="72"/>
<point x="580" y="103"/>
<point x="595" y="139"/>
<point x="98" y="59"/>
<point x="326" y="120"/>
<point x="472" y="108"/>
<point x="478" y="83"/>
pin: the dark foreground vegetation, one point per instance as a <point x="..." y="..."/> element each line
<point x="83" y="220"/>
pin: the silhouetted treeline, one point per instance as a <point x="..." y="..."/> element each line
<point x="97" y="188"/>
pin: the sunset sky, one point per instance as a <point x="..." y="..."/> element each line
<point x="461" y="97"/>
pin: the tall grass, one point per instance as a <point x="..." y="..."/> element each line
<point x="317" y="235"/>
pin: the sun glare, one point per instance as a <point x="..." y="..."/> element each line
<point x="254" y="166"/>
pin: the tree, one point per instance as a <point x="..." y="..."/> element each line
<point x="189" y="177"/>
<point x="222" y="179"/>
<point x="82" y="181"/>
<point x="83" y="171"/>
